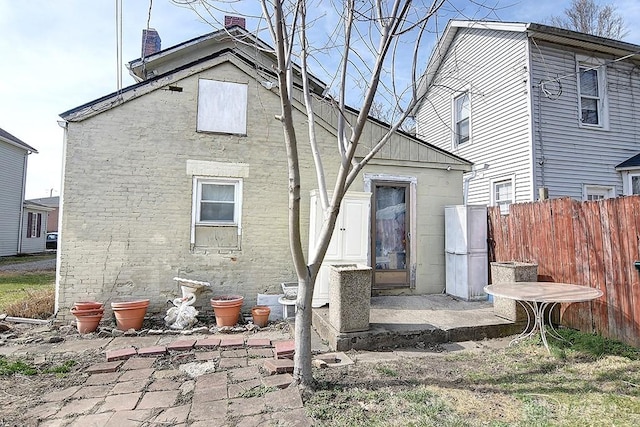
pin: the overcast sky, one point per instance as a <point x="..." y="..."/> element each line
<point x="58" y="54"/>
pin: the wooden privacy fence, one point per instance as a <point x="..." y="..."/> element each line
<point x="587" y="243"/>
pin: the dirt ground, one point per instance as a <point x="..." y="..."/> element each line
<point x="488" y="383"/>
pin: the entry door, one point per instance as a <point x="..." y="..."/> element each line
<point x="390" y="235"/>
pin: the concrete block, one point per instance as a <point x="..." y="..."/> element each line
<point x="350" y="297"/>
<point x="509" y="272"/>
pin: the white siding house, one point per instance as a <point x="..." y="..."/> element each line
<point x="13" y="173"/>
<point x="534" y="107"/>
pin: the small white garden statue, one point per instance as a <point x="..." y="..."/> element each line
<point x="183" y="315"/>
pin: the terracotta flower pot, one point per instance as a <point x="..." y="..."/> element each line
<point x="129" y="314"/>
<point x="88" y="323"/>
<point x="87" y="305"/>
<point x="227" y="309"/>
<point x="260" y="314"/>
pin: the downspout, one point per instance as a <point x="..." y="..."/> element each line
<point x="24" y="189"/>
<point x="65" y="126"/>
<point x="469" y="177"/>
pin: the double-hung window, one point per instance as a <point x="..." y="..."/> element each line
<point x="592" y="94"/>
<point x="461" y="117"/>
<point x="502" y="194"/>
<point x="218" y="201"/>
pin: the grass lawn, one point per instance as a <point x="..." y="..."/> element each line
<point x="16" y="286"/>
<point x="592" y="383"/>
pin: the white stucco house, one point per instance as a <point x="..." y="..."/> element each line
<point x="184" y="174"/>
<point x="534" y="107"/>
<point x="22" y="224"/>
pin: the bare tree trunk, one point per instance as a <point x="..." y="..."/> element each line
<point x="385" y="23"/>
<point x="302" y="372"/>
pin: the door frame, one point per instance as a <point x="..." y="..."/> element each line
<point x="369" y="181"/>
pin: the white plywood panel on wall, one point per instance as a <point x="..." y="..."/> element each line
<point x="222" y="107"/>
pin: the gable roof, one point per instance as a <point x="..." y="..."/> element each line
<point x="630" y="163"/>
<point x="10" y="139"/>
<point x="176" y="62"/>
<point x="547" y="33"/>
<point x="241" y="58"/>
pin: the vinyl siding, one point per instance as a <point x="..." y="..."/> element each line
<point x="34" y="244"/>
<point x="493" y="66"/>
<point x="567" y="155"/>
<point x="11" y="193"/>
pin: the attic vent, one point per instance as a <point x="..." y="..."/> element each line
<point x="230" y="21"/>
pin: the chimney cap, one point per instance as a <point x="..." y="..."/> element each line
<point x="231" y="21"/>
<point x="151" y="42"/>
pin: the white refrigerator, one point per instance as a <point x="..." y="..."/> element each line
<point x="467" y="263"/>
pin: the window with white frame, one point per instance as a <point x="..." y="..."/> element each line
<point x="461" y="118"/>
<point x="634" y="183"/>
<point x="502" y="194"/>
<point x="591" y="93"/>
<point x="217" y="213"/>
<point x="597" y="192"/>
<point x="218" y="201"/>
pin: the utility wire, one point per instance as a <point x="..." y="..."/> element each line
<point x="119" y="45"/>
<point x="144" y="42"/>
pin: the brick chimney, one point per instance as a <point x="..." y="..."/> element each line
<point x="230" y="21"/>
<point x="150" y="42"/>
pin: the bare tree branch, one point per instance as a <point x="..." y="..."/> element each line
<point x="586" y="16"/>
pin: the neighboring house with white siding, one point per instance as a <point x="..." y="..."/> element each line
<point x="534" y="107"/>
<point x="13" y="177"/>
<point x="185" y="174"/>
<point x="34" y="227"/>
<point x="52" y="218"/>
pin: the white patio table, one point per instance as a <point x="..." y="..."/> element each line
<point x="536" y="297"/>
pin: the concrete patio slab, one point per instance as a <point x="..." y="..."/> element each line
<point x="402" y="321"/>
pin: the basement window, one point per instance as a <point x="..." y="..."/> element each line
<point x="597" y="192"/>
<point x="222" y="107"/>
